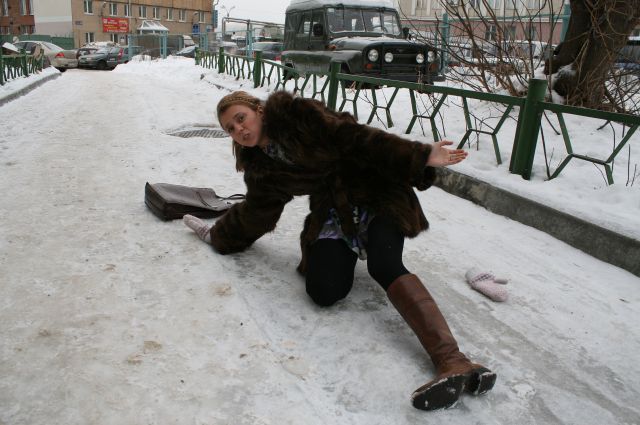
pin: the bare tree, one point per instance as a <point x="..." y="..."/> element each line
<point x="484" y="55"/>
<point x="597" y="30"/>
<point x="488" y="51"/>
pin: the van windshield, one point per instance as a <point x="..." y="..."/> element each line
<point x="351" y="19"/>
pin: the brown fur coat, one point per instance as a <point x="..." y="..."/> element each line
<point x="337" y="162"/>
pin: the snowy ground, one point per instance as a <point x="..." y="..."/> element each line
<point x="110" y="316"/>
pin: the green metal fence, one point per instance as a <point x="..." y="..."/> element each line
<point x="15" y="66"/>
<point x="530" y="110"/>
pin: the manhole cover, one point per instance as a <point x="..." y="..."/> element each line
<point x="214" y="133"/>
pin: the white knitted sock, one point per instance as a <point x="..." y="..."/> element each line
<point x="487" y="284"/>
<point x="200" y="227"/>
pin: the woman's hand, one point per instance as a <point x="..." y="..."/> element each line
<point x="441" y="156"/>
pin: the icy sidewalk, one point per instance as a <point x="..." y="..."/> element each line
<point x="110" y="316"/>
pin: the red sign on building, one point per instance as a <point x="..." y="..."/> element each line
<point x="115" y="25"/>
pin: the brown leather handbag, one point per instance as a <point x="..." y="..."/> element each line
<point x="172" y="201"/>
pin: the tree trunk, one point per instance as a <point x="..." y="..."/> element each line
<point x="597" y="30"/>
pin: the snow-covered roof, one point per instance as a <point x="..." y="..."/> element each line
<point x="152" y="26"/>
<point x="315" y="4"/>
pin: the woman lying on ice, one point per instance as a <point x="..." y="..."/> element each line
<point x="360" y="184"/>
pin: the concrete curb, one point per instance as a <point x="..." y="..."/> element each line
<point x="601" y="243"/>
<point x="27" y="89"/>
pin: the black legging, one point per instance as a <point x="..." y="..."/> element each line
<point x="330" y="262"/>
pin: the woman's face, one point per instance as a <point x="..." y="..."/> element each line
<point x="244" y="125"/>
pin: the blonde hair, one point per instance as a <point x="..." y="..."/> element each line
<point x="237" y="98"/>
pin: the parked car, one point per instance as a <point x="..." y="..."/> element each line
<point x="364" y="37"/>
<point x="86" y="51"/>
<point x="58" y="57"/>
<point x="97" y="60"/>
<point x="271" y="50"/>
<point x="628" y="59"/>
<point x="187" y="52"/>
<point x="121" y="54"/>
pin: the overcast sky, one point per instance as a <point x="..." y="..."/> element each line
<point x="263" y="10"/>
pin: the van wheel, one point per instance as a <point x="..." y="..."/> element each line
<point x="102" y="65"/>
<point x="344" y="69"/>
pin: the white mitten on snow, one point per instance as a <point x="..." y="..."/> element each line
<point x="201" y="228"/>
<point x="487" y="284"/>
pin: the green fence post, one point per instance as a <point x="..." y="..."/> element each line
<point x="445" y="41"/>
<point x="1" y="70"/>
<point x="529" y="119"/>
<point x="221" y="60"/>
<point x="257" y="68"/>
<point x="197" y="56"/>
<point x="23" y="62"/>
<point x="332" y="97"/>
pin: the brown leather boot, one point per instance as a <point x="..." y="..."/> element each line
<point x="455" y="372"/>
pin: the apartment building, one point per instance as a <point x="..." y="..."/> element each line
<point x="93" y="20"/>
<point x="539" y="20"/>
<point x="16" y="17"/>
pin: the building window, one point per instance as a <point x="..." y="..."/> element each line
<point x="182" y="15"/>
<point x="26" y="29"/>
<point x="201" y="17"/>
<point x="26" y="7"/>
<point x="5" y="8"/>
<point x="114" y="37"/>
<point x="88" y="6"/>
<point x="532" y="32"/>
<point x="113" y="9"/>
<point x="89" y="37"/>
<point x="142" y="11"/>
<point x="156" y="12"/>
<point x="510" y="33"/>
<point x="474" y="4"/>
<point x="533" y="4"/>
<point x="127" y="10"/>
<point x="490" y="33"/>
<point x="169" y="14"/>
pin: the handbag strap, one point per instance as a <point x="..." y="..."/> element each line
<point x="236" y="196"/>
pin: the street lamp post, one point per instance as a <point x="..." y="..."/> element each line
<point x="228" y="10"/>
<point x="224" y="21"/>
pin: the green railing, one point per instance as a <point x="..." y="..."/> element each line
<point x="15" y="66"/>
<point x="326" y="87"/>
